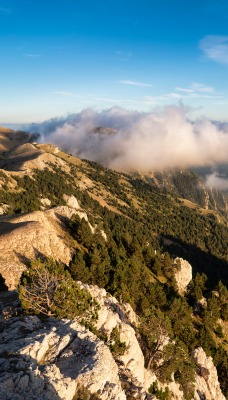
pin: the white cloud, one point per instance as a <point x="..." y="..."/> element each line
<point x="174" y="96"/>
<point x="185" y="90"/>
<point x="134" y="83"/>
<point x="215" y="181"/>
<point x="215" y="48"/>
<point x="200" y="87"/>
<point x="196" y="88"/>
<point x="144" y="140"/>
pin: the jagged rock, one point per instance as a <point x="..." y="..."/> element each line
<point x="183" y="274"/>
<point x="47" y="360"/>
<point x="3" y="209"/>
<point x="207" y="384"/>
<point x="174" y="388"/>
<point x="112" y="314"/>
<point x="71" y="201"/>
<point x="45" y="202"/>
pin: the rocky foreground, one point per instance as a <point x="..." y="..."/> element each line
<point x="49" y="359"/>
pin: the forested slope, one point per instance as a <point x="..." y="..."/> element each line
<point x="139" y="228"/>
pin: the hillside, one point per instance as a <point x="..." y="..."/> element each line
<point x="34" y="172"/>
<point x="190" y="186"/>
<point x="126" y="233"/>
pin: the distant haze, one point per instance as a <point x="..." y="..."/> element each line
<point x="155" y="140"/>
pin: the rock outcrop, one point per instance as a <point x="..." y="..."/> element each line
<point x="36" y="234"/>
<point x="47" y="361"/>
<point x="207" y="385"/>
<point x="26" y="236"/>
<point x="113" y="314"/>
<point x="183" y="274"/>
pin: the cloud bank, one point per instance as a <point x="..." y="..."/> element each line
<point x="147" y="141"/>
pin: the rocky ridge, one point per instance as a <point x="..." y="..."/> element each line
<point x="206" y="378"/>
<point x="40" y="233"/>
<point x="49" y="359"/>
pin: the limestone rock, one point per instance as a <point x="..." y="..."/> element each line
<point x="3" y="209"/>
<point x="104" y="235"/>
<point x="45" y="202"/>
<point x="183" y="274"/>
<point x="112" y="314"/>
<point x="71" y="201"/>
<point x="27" y="236"/>
<point x="46" y="361"/>
<point x="207" y="384"/>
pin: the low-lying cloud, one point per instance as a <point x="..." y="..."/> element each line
<point x="217" y="182"/>
<point x="148" y="141"/>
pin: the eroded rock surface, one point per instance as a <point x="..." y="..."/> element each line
<point x="40" y="233"/>
<point x="27" y="236"/>
<point x="47" y="360"/>
<point x="113" y="314"/>
<point x="207" y="384"/>
<point x="183" y="274"/>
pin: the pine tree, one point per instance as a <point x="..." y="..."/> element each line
<point x="47" y="289"/>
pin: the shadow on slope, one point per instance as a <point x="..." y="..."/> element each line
<point x="42" y="359"/>
<point x="16" y="163"/>
<point x="8" y="227"/>
<point x="202" y="262"/>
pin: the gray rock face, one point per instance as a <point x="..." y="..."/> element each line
<point x="207" y="384"/>
<point x="113" y="314"/>
<point x="47" y="361"/>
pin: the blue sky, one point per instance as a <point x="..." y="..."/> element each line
<point x="62" y="56"/>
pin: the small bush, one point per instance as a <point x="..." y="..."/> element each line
<point x="116" y="346"/>
<point x="153" y="389"/>
<point x="84" y="394"/>
<point x="47" y="289"/>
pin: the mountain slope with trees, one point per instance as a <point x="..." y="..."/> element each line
<point x="135" y="230"/>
